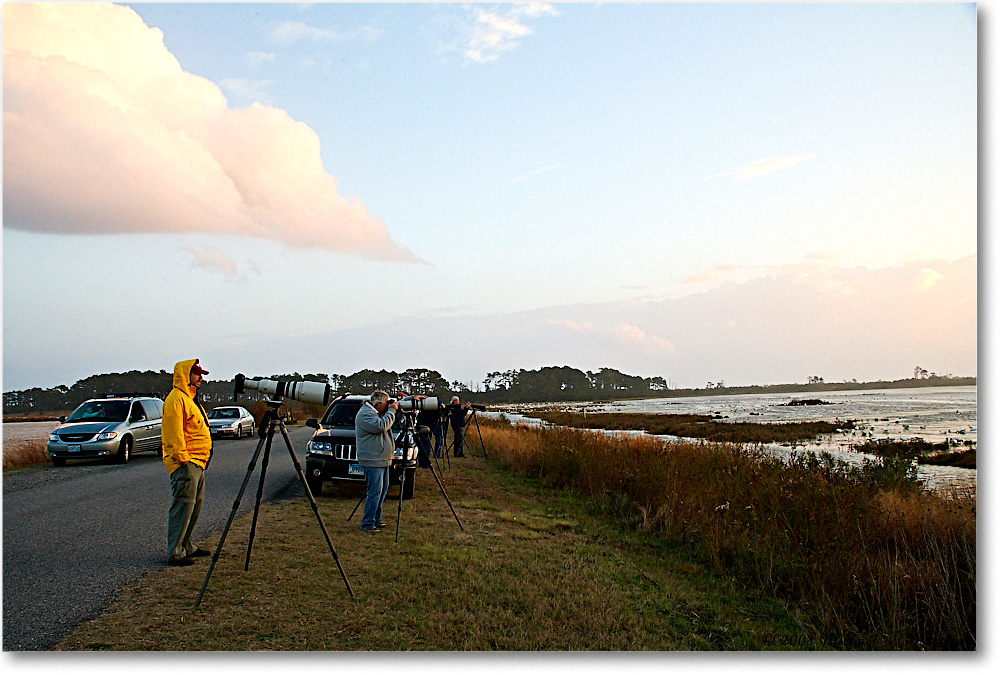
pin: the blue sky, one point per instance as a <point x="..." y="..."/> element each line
<point x="741" y="193"/>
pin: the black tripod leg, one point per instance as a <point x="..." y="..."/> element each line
<point x="360" y="502"/>
<point x="447" y="500"/>
<point x="315" y="508"/>
<point x="480" y="432"/>
<point x="399" y="507"/>
<point x="260" y="492"/>
<point x="232" y="516"/>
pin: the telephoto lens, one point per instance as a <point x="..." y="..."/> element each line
<point x="430" y="404"/>
<point x="317" y="393"/>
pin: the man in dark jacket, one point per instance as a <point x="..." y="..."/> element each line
<point x="458" y="414"/>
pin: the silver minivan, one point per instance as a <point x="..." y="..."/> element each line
<point x="110" y="428"/>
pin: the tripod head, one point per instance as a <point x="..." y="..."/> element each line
<point x="405" y="455"/>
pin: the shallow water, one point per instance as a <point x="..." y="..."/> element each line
<point x="934" y="414"/>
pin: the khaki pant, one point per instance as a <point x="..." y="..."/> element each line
<point x="187" y="485"/>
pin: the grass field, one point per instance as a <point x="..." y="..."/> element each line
<point x="533" y="570"/>
<point x="576" y="541"/>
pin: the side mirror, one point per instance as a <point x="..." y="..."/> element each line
<point x="312" y="422"/>
<point x="62" y="419"/>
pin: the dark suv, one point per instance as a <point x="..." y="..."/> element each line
<point x="332" y="454"/>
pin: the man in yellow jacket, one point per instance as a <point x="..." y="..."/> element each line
<point x="187" y="450"/>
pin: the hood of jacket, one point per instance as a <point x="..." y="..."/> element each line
<point x="182" y="377"/>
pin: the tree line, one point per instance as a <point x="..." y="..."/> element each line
<point x="549" y="384"/>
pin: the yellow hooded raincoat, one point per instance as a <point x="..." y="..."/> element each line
<point x="186" y="436"/>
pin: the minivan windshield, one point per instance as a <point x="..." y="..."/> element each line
<point x="100" y="411"/>
<point x="342" y="414"/>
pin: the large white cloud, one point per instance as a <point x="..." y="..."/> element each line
<point x="104" y="132"/>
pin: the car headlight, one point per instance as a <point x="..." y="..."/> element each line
<point x="53" y="437"/>
<point x="319" y="447"/>
<point x="107" y="435"/>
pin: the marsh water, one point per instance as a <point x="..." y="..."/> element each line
<point x="934" y="414"/>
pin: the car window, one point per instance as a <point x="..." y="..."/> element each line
<point x="151" y="409"/>
<point x="341" y="414"/>
<point x="137" y="414"/>
<point x="100" y="411"/>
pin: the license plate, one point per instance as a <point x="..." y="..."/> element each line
<point x="355" y="470"/>
<point x="73" y="448"/>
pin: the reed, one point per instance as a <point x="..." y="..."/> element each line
<point x="875" y="562"/>
<point x="19" y="454"/>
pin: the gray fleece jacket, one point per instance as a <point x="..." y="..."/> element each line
<point x="374" y="434"/>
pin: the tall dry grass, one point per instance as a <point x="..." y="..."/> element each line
<point x="876" y="563"/>
<point x="17" y="454"/>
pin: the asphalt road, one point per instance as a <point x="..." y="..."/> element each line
<point x="73" y="535"/>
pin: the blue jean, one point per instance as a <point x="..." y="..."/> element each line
<point x="377" y="478"/>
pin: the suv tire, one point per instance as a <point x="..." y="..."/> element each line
<point x="315" y="486"/>
<point x="58" y="461"/>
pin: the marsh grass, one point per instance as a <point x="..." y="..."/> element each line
<point x="22" y="453"/>
<point x="940" y="454"/>
<point x="874" y="562"/>
<point x="533" y="570"/>
<point x="695" y="426"/>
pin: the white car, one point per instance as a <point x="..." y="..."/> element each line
<point x="231" y="420"/>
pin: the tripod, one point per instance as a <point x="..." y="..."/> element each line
<point x="272" y="420"/>
<point x="408" y="433"/>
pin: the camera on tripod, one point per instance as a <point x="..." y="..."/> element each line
<point x="411" y="404"/>
<point x="317" y="393"/>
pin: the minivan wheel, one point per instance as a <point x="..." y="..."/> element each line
<point x="124" y="450"/>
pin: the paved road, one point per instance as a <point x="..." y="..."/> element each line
<point x="73" y="535"/>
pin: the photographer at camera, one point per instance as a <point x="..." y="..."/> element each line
<point x="373" y="430"/>
<point x="458" y="414"/>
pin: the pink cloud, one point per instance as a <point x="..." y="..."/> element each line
<point x="212" y="258"/>
<point x="104" y="133"/>
<point x="622" y="334"/>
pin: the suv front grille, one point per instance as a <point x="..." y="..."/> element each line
<point x="346" y="452"/>
<point x="76" y="438"/>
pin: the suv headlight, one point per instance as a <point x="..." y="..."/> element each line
<point x="53" y="437"/>
<point x="319" y="447"/>
<point x="107" y="435"/>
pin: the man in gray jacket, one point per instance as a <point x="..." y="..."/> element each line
<point x="373" y="429"/>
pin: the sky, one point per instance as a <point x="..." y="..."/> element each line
<point x="736" y="193"/>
